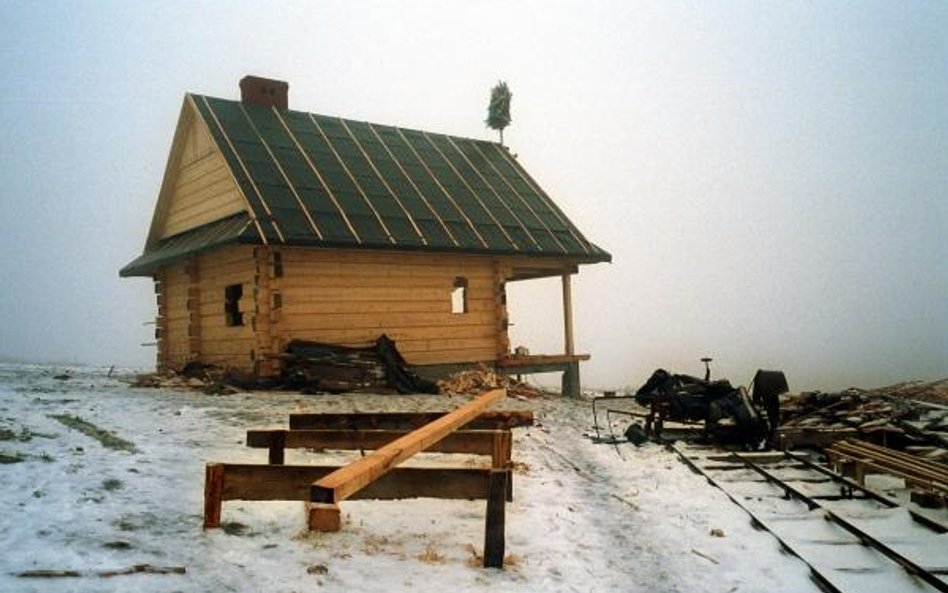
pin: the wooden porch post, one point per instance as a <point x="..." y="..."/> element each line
<point x="567" y="315"/>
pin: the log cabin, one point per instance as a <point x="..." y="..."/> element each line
<point x="273" y="224"/>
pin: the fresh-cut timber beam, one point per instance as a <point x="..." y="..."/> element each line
<point x="227" y="481"/>
<point x="471" y="442"/>
<point x="346" y="481"/>
<point x="491" y="420"/>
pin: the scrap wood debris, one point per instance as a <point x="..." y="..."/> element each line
<point x="911" y="415"/>
<point x="135" y="569"/>
<point x="309" y="367"/>
<point x="484" y="379"/>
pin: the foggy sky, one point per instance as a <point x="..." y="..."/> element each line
<point x="770" y="178"/>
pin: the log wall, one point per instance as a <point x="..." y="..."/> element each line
<point x="172" y="321"/>
<point x="351" y="297"/>
<point x="345" y="297"/>
<point x="227" y="346"/>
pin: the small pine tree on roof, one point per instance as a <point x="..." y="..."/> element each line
<point x="498" y="112"/>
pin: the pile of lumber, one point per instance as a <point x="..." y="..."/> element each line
<point x="903" y="415"/>
<point x="864" y="458"/>
<point x="484" y="379"/>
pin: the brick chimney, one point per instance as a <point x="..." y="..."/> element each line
<point x="264" y="91"/>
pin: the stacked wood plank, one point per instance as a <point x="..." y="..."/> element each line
<point x="863" y="458"/>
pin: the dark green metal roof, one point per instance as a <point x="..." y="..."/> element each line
<point x="325" y="181"/>
<point x="233" y="229"/>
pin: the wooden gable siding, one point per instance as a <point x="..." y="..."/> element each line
<point x="351" y="297"/>
<point x="199" y="187"/>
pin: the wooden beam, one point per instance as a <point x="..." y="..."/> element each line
<point x="494" y="541"/>
<point x="213" y="494"/>
<point x="472" y="442"/>
<point x="567" y="314"/>
<point x="323" y="517"/>
<point x="346" y="481"/>
<point x="292" y="482"/>
<point x="490" y="420"/>
<point x="276" y="443"/>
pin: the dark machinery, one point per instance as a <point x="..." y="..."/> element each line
<point x="727" y="413"/>
<point x="683" y="398"/>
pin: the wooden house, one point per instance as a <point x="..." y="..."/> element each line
<point x="273" y="224"/>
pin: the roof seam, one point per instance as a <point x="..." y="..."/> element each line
<point x="414" y="186"/>
<point x="391" y="192"/>
<point x="319" y="177"/>
<point x="352" y="178"/>
<point x="493" y="190"/>
<point x="441" y="187"/>
<point x="279" y="167"/>
<point x="473" y="193"/>
<point x="584" y="243"/>
<point x="522" y="199"/>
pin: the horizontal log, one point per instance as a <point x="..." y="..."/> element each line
<point x="490" y="420"/>
<point x="346" y="481"/>
<point x="417" y="326"/>
<point x="330" y="307"/>
<point x="292" y="482"/>
<point x="357" y="276"/>
<point x="538" y="360"/>
<point x="472" y="442"/>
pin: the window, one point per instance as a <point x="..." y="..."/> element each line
<point x="232" y="314"/>
<point x="277" y="264"/>
<point x="459" y="296"/>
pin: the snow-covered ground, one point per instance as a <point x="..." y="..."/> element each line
<point x="586" y="517"/>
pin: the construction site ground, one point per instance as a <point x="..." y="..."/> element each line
<point x="102" y="479"/>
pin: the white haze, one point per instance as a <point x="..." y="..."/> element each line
<point x="770" y="178"/>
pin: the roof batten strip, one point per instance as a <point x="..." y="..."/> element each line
<point x="378" y="174"/>
<point x="584" y="243"/>
<point x="286" y="178"/>
<point x="243" y="166"/>
<point x="319" y="177"/>
<point x="494" y="191"/>
<point x="471" y="189"/>
<point x="411" y="182"/>
<point x="522" y="199"/>
<point x="352" y="178"/>
<point x="443" y="190"/>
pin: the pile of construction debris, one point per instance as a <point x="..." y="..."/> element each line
<point x="906" y="415"/>
<point x="210" y="379"/>
<point x="313" y="367"/>
<point x="483" y="379"/>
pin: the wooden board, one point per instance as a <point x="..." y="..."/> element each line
<point x="292" y="482"/>
<point x="491" y="420"/>
<point x="346" y="481"/>
<point x="472" y="442"/>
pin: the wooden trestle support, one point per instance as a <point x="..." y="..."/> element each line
<point x="392" y="438"/>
